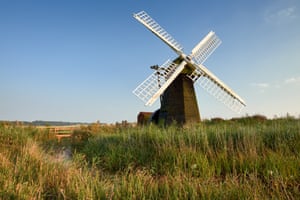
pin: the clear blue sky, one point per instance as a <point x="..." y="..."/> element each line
<point x="71" y="60"/>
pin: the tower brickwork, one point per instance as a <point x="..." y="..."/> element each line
<point x="179" y="102"/>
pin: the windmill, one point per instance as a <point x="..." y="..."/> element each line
<point x="173" y="81"/>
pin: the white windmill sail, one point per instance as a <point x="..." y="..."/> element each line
<point x="154" y="27"/>
<point x="151" y="89"/>
<point x="205" y="47"/>
<point x="214" y="86"/>
<point x="207" y="80"/>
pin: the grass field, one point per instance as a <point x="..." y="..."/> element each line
<point x="242" y="159"/>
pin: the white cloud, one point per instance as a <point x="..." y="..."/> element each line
<point x="287" y="13"/>
<point x="261" y="85"/>
<point x="281" y="16"/>
<point x="292" y="80"/>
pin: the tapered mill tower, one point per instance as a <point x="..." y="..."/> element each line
<point x="173" y="81"/>
<point x="179" y="102"/>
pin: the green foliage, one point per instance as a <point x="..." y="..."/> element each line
<point x="80" y="138"/>
<point x="241" y="159"/>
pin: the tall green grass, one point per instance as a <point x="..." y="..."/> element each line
<point x="224" y="160"/>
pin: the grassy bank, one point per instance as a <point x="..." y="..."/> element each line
<point x="232" y="160"/>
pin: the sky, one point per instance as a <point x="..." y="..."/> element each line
<point x="80" y="60"/>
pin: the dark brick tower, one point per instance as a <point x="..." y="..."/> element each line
<point x="179" y="102"/>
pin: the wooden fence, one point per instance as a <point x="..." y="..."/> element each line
<point x="60" y="131"/>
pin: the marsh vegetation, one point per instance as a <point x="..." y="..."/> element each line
<point x="243" y="159"/>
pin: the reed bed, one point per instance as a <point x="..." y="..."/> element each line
<point x="243" y="159"/>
